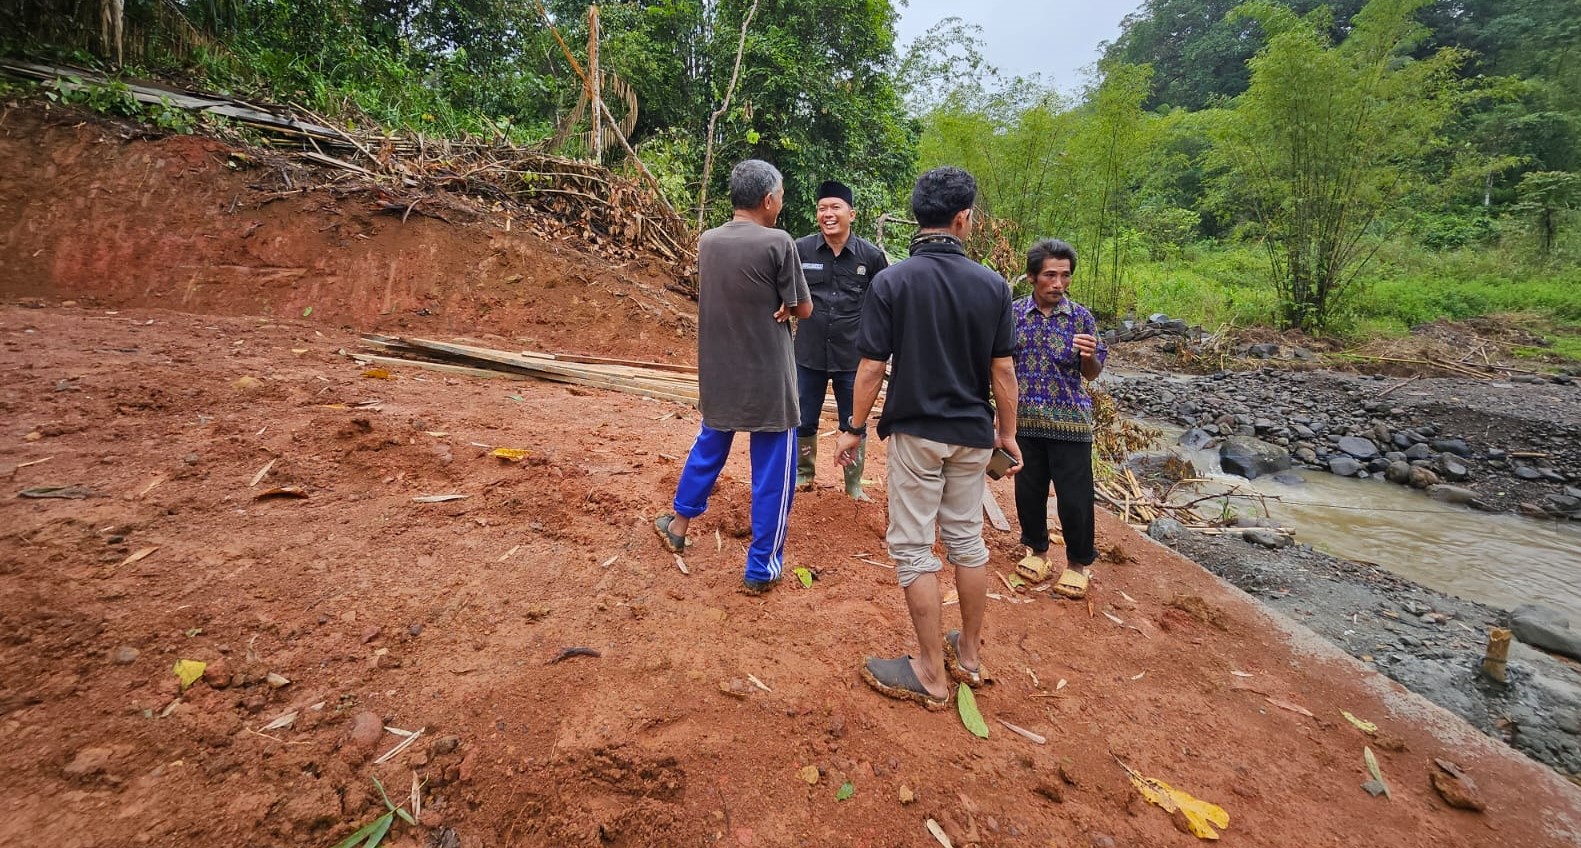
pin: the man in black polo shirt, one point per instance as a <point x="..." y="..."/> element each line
<point x="839" y="267"/>
<point x="944" y="321"/>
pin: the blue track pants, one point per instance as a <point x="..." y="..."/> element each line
<point x="773" y="484"/>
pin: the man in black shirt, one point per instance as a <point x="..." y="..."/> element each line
<point x="945" y="322"/>
<point x="839" y="267"/>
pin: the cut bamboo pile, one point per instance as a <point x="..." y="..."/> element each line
<point x="411" y="172"/>
<point x="658" y="380"/>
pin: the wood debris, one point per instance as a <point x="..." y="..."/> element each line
<point x="1021" y="731"/>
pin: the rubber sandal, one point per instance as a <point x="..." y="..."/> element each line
<point x="672" y="543"/>
<point x="952" y="661"/>
<point x="895" y="679"/>
<point x="758" y="587"/>
<point x="1072" y="584"/>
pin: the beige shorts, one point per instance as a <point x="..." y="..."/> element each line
<point x="935" y="488"/>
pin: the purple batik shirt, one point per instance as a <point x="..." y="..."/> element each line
<point x="1053" y="403"/>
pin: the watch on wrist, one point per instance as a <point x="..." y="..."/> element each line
<point x="850" y="426"/>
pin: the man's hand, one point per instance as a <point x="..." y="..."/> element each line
<point x="1086" y="345"/>
<point x="783" y="314"/>
<point x="1009" y="446"/>
<point x="845" y="448"/>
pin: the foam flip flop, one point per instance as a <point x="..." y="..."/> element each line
<point x="1072" y="584"/>
<point x="895" y="679"/>
<point x="960" y="673"/>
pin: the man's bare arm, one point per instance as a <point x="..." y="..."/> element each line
<point x="1006" y="395"/>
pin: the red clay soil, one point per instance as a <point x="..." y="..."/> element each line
<point x="446" y="617"/>
<point x="180" y="223"/>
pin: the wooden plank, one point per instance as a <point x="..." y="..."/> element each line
<point x="634" y="363"/>
<point x="996" y="516"/>
<point x="437" y="366"/>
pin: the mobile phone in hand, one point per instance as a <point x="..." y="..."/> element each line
<point x="1000" y="463"/>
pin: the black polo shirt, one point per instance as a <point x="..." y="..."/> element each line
<point x="827" y="340"/>
<point x="944" y="319"/>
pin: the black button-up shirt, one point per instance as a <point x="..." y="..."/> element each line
<point x="827" y="340"/>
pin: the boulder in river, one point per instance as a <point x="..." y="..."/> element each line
<point x="1398" y="472"/>
<point x="1250" y="457"/>
<point x="1195" y="439"/>
<point x="1343" y="466"/>
<point x="1358" y="447"/>
<point x="1451" y="494"/>
<point x="1421" y="478"/>
<point x="1545" y="628"/>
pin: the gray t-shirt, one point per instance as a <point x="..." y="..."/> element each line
<point x="746" y="368"/>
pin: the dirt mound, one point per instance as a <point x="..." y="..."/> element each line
<point x="102" y="216"/>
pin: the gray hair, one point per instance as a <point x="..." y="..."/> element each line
<point x="751" y="181"/>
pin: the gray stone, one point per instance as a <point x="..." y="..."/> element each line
<point x="1263" y="351"/>
<point x="1497" y="453"/>
<point x="1378" y="465"/>
<point x="1303" y="431"/>
<point x="1306" y="455"/>
<point x="1458" y="447"/>
<point x="1421" y="478"/>
<point x="1164" y="529"/>
<point x="1418" y="451"/>
<point x="1398" y="472"/>
<point x="1194" y="439"/>
<point x="1358" y="447"/>
<point x="1526" y="472"/>
<point x="1267" y="538"/>
<point x="1251" y="457"/>
<point x="1451" y="494"/>
<point x="1344" y="466"/>
<point x="1449" y="466"/>
<point x="1289" y="478"/>
<point x="1545" y="628"/>
<point x="1402" y="441"/>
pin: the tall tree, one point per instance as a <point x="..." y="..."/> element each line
<point x="1322" y="145"/>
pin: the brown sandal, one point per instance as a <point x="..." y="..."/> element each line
<point x="960" y="673"/>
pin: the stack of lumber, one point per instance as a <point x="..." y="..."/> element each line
<point x="660" y="380"/>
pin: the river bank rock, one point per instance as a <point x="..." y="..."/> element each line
<point x="1428" y="642"/>
<point x="1511" y="444"/>
<point x="1251" y="458"/>
<point x="1545" y="628"/>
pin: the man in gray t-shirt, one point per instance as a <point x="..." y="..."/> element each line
<point x="751" y="284"/>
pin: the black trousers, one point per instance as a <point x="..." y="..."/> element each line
<point x="1068" y="465"/>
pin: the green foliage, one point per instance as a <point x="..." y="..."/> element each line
<point x="373" y="833"/>
<point x="1321" y="147"/>
<point x="1548" y="199"/>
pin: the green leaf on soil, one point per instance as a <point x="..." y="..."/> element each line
<point x="966" y="705"/>
<point x="847" y="789"/>
<point x="804" y="576"/>
<point x="306" y="312"/>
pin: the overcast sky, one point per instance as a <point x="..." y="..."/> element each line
<point x="1054" y="38"/>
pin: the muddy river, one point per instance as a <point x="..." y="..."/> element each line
<point x="1498" y="559"/>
